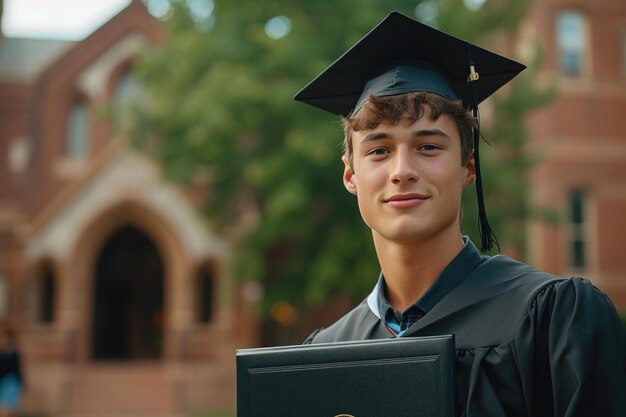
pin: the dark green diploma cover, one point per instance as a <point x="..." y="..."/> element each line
<point x="375" y="378"/>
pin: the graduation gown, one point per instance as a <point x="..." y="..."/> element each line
<point x="527" y="343"/>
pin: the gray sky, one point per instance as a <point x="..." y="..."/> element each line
<point x="57" y="19"/>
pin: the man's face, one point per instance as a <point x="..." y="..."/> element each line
<point x="408" y="179"/>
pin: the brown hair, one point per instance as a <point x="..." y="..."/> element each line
<point x="407" y="108"/>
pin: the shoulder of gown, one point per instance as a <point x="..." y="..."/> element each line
<point x="488" y="305"/>
<point x="358" y="324"/>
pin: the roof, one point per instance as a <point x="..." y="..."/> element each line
<point x="24" y="59"/>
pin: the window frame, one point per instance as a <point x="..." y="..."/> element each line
<point x="577" y="230"/>
<point x="582" y="51"/>
<point x="79" y="101"/>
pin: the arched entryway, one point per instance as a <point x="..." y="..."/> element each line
<point x="128" y="298"/>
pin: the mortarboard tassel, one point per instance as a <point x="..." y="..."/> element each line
<point x="487" y="236"/>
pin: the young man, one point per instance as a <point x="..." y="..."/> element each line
<point x="527" y="343"/>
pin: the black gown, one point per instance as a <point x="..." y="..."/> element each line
<point x="527" y="343"/>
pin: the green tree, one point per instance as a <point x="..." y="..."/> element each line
<point x="222" y="115"/>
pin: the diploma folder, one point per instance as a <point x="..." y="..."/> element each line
<point x="402" y="377"/>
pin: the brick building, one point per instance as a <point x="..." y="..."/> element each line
<point x="106" y="270"/>
<point x="581" y="141"/>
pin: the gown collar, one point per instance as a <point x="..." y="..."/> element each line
<point x="466" y="261"/>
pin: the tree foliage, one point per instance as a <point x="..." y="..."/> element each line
<point x="222" y="116"/>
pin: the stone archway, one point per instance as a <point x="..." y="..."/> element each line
<point x="128" y="294"/>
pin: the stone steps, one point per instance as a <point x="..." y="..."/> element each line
<point x="133" y="390"/>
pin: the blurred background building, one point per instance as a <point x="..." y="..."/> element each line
<point x="115" y="284"/>
<point x="112" y="279"/>
<point x="580" y="141"/>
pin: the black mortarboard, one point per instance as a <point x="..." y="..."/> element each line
<point x="401" y="55"/>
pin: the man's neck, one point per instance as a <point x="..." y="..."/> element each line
<point x="410" y="269"/>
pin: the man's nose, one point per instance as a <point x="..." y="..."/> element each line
<point x="404" y="166"/>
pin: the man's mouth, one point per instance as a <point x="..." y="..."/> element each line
<point x="406" y="200"/>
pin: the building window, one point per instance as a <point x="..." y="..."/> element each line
<point x="578" y="245"/>
<point x="46" y="295"/>
<point x="129" y="89"/>
<point x="572" y="43"/>
<point x="205" y="285"/>
<point x="129" y="96"/>
<point x="77" y="143"/>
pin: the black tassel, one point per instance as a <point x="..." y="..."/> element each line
<point x="487" y="236"/>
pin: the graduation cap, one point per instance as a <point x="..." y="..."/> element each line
<point x="401" y="55"/>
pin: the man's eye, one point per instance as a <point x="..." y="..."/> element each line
<point x="429" y="148"/>
<point x="378" y="151"/>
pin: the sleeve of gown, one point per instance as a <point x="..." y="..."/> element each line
<point x="577" y="346"/>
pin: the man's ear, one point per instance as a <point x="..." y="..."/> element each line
<point x="349" y="180"/>
<point x="470" y="170"/>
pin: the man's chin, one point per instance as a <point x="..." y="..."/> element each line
<point x="403" y="234"/>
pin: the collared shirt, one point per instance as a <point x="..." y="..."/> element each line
<point x="468" y="259"/>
